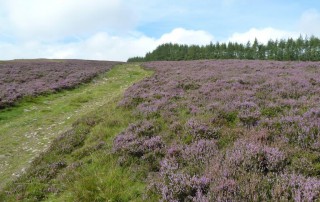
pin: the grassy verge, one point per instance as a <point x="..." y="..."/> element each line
<point x="83" y="150"/>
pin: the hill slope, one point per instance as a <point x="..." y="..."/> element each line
<point x="20" y="78"/>
<point x="226" y="130"/>
<point x="211" y="130"/>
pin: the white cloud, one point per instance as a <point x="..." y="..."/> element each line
<point x="57" y="18"/>
<point x="189" y="37"/>
<point x="103" y="46"/>
<point x="263" y="35"/>
<point x="309" y="23"/>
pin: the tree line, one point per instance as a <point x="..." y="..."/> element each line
<point x="304" y="49"/>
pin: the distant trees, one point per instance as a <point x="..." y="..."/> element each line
<point x="305" y="49"/>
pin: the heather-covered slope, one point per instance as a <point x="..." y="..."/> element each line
<point x="19" y="78"/>
<point x="194" y="131"/>
<point x="226" y="130"/>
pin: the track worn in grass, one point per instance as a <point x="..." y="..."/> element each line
<point x="30" y="127"/>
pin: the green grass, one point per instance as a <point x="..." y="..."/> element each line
<point x="31" y="126"/>
<point x="99" y="178"/>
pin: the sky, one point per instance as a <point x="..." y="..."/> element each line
<point x="119" y="29"/>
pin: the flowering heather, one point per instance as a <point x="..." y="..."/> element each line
<point x="182" y="187"/>
<point x="256" y="157"/>
<point x="20" y="78"/>
<point x="249" y="114"/>
<point x="176" y="184"/>
<point x="297" y="188"/>
<point x="231" y="130"/>
<point x="200" y="130"/>
<point x="199" y="152"/>
<point x="139" y="139"/>
<point x="303" y="130"/>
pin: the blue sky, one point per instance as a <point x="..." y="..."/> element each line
<point x="118" y="29"/>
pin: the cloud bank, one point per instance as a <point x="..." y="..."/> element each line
<point x="103" y="46"/>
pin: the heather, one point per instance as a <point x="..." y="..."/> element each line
<point x="225" y="130"/>
<point x="20" y="78"/>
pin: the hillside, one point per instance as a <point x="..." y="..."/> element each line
<point x="206" y="130"/>
<point x="20" y="78"/>
<point x="226" y="130"/>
